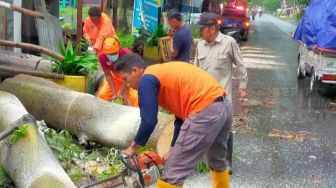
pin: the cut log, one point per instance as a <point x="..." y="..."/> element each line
<point x="12" y="64"/>
<point x="84" y="115"/>
<point x="32" y="47"/>
<point x="164" y="140"/>
<point x="29" y="161"/>
<point x="27" y="61"/>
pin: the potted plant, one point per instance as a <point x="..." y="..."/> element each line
<point x="151" y="50"/>
<point x="78" y="67"/>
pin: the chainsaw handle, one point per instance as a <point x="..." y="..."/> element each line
<point x="126" y="160"/>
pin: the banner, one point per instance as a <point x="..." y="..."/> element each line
<point x="146" y="14"/>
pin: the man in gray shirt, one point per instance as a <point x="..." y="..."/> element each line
<point x="216" y="54"/>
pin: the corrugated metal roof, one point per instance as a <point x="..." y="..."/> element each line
<point x="49" y="32"/>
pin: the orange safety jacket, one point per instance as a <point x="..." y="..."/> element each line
<point x="97" y="33"/>
<point x="184" y="89"/>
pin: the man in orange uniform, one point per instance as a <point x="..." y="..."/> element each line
<point x="97" y="27"/>
<point x="192" y="94"/>
<point x="113" y="85"/>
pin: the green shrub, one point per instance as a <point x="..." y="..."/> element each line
<point x="195" y="33"/>
<point x="298" y="15"/>
<point x="153" y="38"/>
<point x="126" y="40"/>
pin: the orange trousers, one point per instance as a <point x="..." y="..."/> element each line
<point x="105" y="91"/>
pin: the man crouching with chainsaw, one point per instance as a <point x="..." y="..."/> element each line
<point x="193" y="95"/>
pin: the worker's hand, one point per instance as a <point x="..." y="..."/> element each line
<point x="92" y="50"/>
<point x="131" y="149"/>
<point x="242" y="94"/>
<point x="166" y="156"/>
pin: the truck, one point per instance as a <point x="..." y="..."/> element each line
<point x="316" y="34"/>
<point x="235" y="22"/>
<point x="319" y="65"/>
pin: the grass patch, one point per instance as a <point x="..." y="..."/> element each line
<point x="69" y="15"/>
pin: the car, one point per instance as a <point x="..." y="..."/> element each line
<point x="235" y="22"/>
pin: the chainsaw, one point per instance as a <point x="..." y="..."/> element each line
<point x="140" y="171"/>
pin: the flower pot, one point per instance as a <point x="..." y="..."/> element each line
<point x="152" y="54"/>
<point x="76" y="83"/>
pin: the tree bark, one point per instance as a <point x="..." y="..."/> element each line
<point x="79" y="20"/>
<point x="85" y="116"/>
<point x="115" y="5"/>
<point x="124" y="21"/>
<point x="29" y="161"/>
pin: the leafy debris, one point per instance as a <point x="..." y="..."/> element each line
<point x="19" y="133"/>
<point x="290" y="136"/>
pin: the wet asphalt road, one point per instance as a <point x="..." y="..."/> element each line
<point x="278" y="101"/>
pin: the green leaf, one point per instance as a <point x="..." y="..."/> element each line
<point x="202" y="167"/>
<point x="70" y="55"/>
<point x="61" y="47"/>
<point x="78" y="49"/>
<point x="19" y="133"/>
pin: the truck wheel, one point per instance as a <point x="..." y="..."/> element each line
<point x="315" y="84"/>
<point x="300" y="74"/>
<point x="245" y="36"/>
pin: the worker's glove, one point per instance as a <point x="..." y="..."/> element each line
<point x="91" y="50"/>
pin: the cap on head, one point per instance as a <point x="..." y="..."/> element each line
<point x="111" y="45"/>
<point x="209" y="19"/>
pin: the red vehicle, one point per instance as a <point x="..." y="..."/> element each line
<point x="235" y="22"/>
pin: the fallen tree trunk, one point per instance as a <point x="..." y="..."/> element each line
<point x="29" y="161"/>
<point x="89" y="118"/>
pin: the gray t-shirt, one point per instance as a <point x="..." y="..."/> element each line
<point x="182" y="43"/>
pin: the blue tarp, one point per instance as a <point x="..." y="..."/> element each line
<point x="317" y="27"/>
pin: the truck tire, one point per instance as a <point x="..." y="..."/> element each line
<point x="244" y="36"/>
<point x="315" y="85"/>
<point x="300" y="74"/>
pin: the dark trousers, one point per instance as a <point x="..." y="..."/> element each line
<point x="178" y="122"/>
